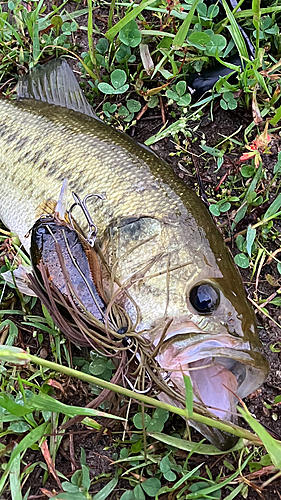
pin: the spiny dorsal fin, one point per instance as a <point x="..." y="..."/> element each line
<point x="54" y="83"/>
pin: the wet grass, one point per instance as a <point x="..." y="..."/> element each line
<point x="140" y="57"/>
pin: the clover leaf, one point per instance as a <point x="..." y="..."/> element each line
<point x="178" y="94"/>
<point x="242" y="260"/>
<point x="127" y="113"/>
<point x="133" y="105"/>
<point x="207" y="13"/>
<point x="216" y="44"/>
<point x="220" y="207"/>
<point x="108" y="109"/>
<point x="151" y="486"/>
<point x="199" y="39"/>
<point x="166" y="468"/>
<point x="102" y="46"/>
<point x="154" y="424"/>
<point x="130" y="34"/>
<point x="118" y="78"/>
<point x="228" y="101"/>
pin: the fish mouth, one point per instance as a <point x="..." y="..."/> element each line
<point x="222" y="369"/>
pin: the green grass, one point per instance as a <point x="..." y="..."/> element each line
<point x="122" y="68"/>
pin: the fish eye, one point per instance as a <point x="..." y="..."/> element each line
<point x="205" y="298"/>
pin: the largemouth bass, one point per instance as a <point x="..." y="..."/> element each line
<point x="154" y="232"/>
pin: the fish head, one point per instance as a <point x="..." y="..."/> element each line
<point x="175" y="280"/>
<point x="181" y="289"/>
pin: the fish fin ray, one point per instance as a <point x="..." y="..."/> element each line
<point x="54" y="83"/>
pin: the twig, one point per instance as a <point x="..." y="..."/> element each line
<point x="272" y="296"/>
<point x="4" y="334"/>
<point x="71" y="452"/>
<point x="162" y="110"/>
<point x="142" y="111"/>
<point x="258" y="272"/>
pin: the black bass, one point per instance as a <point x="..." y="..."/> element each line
<point x="155" y="233"/>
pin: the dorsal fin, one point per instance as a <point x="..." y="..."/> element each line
<point x="54" y="83"/>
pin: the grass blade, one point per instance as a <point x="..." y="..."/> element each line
<point x="228" y="64"/>
<point x="181" y="481"/>
<point x="110" y="15"/>
<point x="236" y="33"/>
<point x="15" y="479"/>
<point x="276" y="117"/>
<point x="272" y="445"/>
<point x="36" y="41"/>
<point x="211" y="489"/>
<point x="183" y="444"/>
<point x="256" y="21"/>
<point x="188" y="395"/>
<point x="274" y="207"/>
<point x="235" y="492"/>
<point x="74" y="15"/>
<point x="250" y="238"/>
<point x="173" y="129"/>
<point x="45" y="402"/>
<point x="31" y="438"/>
<point x="181" y="34"/>
<point x="92" y="51"/>
<point x="106" y="490"/>
<point x="112" y="32"/>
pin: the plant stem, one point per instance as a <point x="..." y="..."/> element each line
<point x="218" y="424"/>
<point x="110" y="15"/>
<point x="245" y="14"/>
<point x="92" y="51"/>
<point x="256" y="22"/>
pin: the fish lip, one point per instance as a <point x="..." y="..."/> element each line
<point x="198" y="344"/>
<point x="254" y="361"/>
<point x="198" y="338"/>
<point x="192" y="334"/>
<point x="227" y="354"/>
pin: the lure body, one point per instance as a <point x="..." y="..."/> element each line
<point x="67" y="257"/>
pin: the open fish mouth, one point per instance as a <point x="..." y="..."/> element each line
<point x="221" y="369"/>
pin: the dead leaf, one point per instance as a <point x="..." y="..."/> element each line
<point x="272" y="281"/>
<point x="57" y="385"/>
<point x="50" y="464"/>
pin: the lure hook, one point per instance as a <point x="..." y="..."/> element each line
<point x="83" y="205"/>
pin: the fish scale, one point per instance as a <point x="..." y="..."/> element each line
<point x="90" y="154"/>
<point x="154" y="232"/>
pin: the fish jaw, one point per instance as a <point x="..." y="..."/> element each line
<point x="221" y="369"/>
